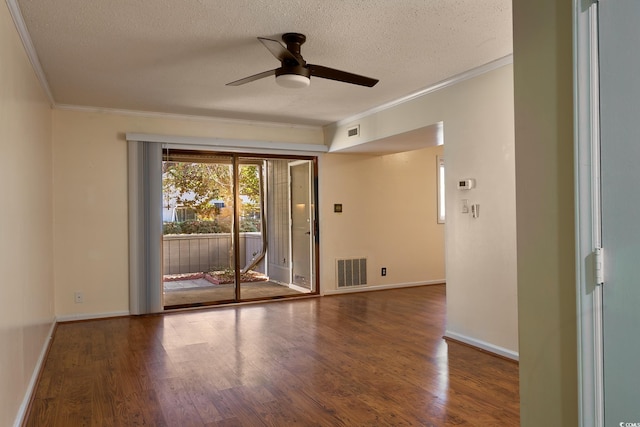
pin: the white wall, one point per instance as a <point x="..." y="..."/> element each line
<point x="26" y="286"/>
<point x="480" y="253"/>
<point x="90" y="198"/>
<point x="389" y="216"/>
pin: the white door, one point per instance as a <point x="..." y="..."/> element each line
<point x="619" y="32"/>
<point x="300" y="185"/>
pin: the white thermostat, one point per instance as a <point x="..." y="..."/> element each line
<point x="466" y="184"/>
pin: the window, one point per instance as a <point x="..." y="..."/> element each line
<point x="440" y="169"/>
<point x="185" y="214"/>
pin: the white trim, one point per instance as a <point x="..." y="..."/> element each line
<point x="27" y="43"/>
<point x="365" y="288"/>
<point x="22" y="411"/>
<point x="587" y="214"/>
<point x="91" y="316"/>
<point x="469" y="74"/>
<point x="232" y="145"/>
<point x="173" y="116"/>
<point x="491" y="348"/>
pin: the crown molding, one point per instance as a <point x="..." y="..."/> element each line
<point x="469" y="74"/>
<point x="21" y="27"/>
<point x="157" y="115"/>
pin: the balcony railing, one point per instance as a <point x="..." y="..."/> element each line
<point x="195" y="253"/>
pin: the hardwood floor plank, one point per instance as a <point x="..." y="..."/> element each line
<point x="367" y="359"/>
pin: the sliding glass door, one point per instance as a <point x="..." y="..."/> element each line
<point x="228" y="228"/>
<point x="198" y="245"/>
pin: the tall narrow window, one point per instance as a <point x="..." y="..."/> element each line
<point x="441" y="211"/>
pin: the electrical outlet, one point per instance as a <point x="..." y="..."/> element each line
<point x="78" y="297"/>
<point x="383" y="271"/>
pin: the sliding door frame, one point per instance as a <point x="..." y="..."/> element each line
<point x="587" y="207"/>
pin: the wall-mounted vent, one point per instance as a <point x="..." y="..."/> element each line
<point x="351" y="272"/>
<point x="353" y="131"/>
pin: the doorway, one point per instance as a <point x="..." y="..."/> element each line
<point x="228" y="233"/>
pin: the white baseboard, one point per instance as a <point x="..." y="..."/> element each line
<point x="491" y="348"/>
<point x="366" y="288"/>
<point x="22" y="411"/>
<point x="91" y="316"/>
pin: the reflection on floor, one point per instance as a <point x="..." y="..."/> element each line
<point x="197" y="291"/>
<point x="357" y="359"/>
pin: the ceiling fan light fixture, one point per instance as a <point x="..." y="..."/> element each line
<point x="293" y="81"/>
<point x="294" y="72"/>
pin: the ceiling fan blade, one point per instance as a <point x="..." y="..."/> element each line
<point x="253" y="78"/>
<point x="341" y="76"/>
<point x="279" y="51"/>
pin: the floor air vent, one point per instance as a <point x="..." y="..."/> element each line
<point x="351" y="272"/>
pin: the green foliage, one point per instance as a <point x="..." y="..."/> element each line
<point x="249" y="181"/>
<point x="222" y="225"/>
<point x="249" y="225"/>
<point x="171" y="228"/>
<point x="194" y="227"/>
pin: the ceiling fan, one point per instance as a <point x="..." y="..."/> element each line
<point x="294" y="71"/>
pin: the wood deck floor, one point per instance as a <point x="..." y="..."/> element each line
<point x="366" y="359"/>
<point x="213" y="293"/>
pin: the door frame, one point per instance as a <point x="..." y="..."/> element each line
<point x="236" y="160"/>
<point x="587" y="212"/>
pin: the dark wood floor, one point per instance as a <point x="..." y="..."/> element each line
<point x="367" y="359"/>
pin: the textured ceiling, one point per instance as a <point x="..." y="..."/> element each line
<point x="175" y="56"/>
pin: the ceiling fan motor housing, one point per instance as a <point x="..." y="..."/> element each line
<point x="297" y="70"/>
<point x="293" y="42"/>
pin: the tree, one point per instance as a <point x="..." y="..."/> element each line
<point x="197" y="185"/>
<point x="192" y="185"/>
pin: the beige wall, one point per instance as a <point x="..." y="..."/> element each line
<point x="546" y="254"/>
<point x="480" y="253"/>
<point x="389" y="216"/>
<point x="26" y="287"/>
<point x="90" y="194"/>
